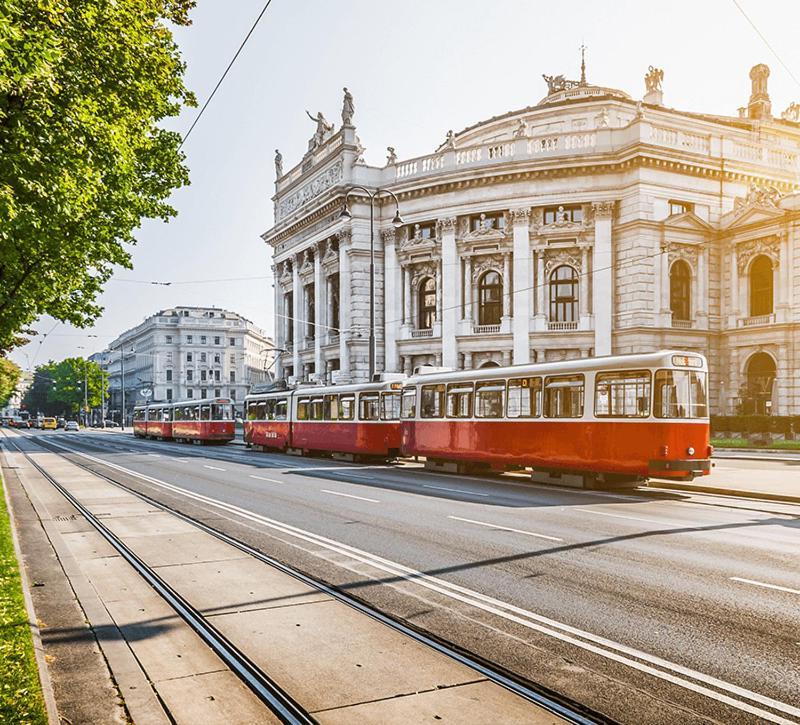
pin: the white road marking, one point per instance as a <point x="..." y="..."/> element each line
<point x="506" y="528"/>
<point x="632" y="518"/>
<point x="765" y="585"/>
<point x="264" y="478"/>
<point x="698" y="682"/>
<point x="213" y="468"/>
<point x="455" y="490"/>
<point x="350" y="495"/>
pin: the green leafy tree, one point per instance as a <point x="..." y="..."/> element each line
<point x="9" y="377"/>
<point x="84" y="85"/>
<point x="58" y="387"/>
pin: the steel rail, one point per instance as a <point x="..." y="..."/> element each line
<point x="271" y="694"/>
<point x="570" y="711"/>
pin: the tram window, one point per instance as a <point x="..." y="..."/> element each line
<point x="489" y="399"/>
<point x="137" y="415"/>
<point x="205" y="412"/>
<point x="281" y="406"/>
<point x="459" y="400"/>
<point x="390" y="406"/>
<point x="221" y="411"/>
<point x="368" y="406"/>
<point x="622" y="394"/>
<point x="266" y="409"/>
<point x="563" y="396"/>
<point x="432" y="401"/>
<point x="408" y="408"/>
<point x="347" y="407"/>
<point x="302" y="409"/>
<point x="252" y="411"/>
<point x="680" y="394"/>
<point x="178" y="414"/>
<point x="331" y="407"/>
<point x="524" y="398"/>
<point x="316" y="409"/>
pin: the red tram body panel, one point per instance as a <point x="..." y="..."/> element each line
<point x="209" y="420"/>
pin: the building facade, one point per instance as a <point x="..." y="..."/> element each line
<point x="588" y="224"/>
<point x="186" y="353"/>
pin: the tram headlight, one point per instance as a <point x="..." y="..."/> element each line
<point x="690" y="450"/>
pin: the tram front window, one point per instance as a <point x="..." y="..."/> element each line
<point x="220" y="412"/>
<point x="680" y="394"/>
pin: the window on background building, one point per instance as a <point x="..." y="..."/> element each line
<point x="564" y="294"/>
<point x="233" y="359"/>
<point x="217" y="340"/>
<point x="203" y="392"/>
<point x="169" y="375"/>
<point x="426" y="230"/>
<point x="232" y="341"/>
<point x="203" y="375"/>
<point x="185" y="313"/>
<point x="426" y="304"/>
<point x="189" y="339"/>
<point x="217" y="358"/>
<point x="310" y="310"/>
<point x="679" y="207"/>
<point x="169" y="393"/>
<point x="333" y="286"/>
<point x="494" y="220"/>
<point x="563" y="213"/>
<point x="169" y="339"/>
<point x="761" y="286"/>
<point x="169" y="357"/>
<point x="288" y="311"/>
<point x="216" y="375"/>
<point x="190" y="393"/>
<point x="680" y="291"/>
<point x="232" y="395"/>
<point x="233" y="376"/>
<point x="490" y="298"/>
<point x="217" y="392"/>
<point x="189" y="375"/>
<point x="203" y="339"/>
<point x="188" y="357"/>
<point x="203" y="357"/>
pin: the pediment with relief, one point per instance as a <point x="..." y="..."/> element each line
<point x="751" y="215"/>
<point x="689" y="221"/>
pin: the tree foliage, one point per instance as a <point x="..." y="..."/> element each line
<point x="9" y="377"/>
<point x="83" y="87"/>
<point x="58" y="387"/>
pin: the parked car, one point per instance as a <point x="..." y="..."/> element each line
<point x="72" y="425"/>
<point x="111" y="424"/>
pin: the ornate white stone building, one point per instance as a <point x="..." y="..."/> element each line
<point x="187" y="352"/>
<point x="588" y="224"/>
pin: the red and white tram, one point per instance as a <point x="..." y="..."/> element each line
<point x="606" y="420"/>
<point x="353" y="420"/>
<point x="203" y="421"/>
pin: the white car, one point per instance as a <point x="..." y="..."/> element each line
<point x="71" y="425"/>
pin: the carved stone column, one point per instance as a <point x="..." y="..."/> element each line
<point x="602" y="277"/>
<point x="407" y="295"/>
<point x="584" y="289"/>
<point x="734" y="288"/>
<point x="391" y="303"/>
<point x="345" y="317"/>
<point x="468" y="290"/>
<point x="507" y="285"/>
<point x="785" y="276"/>
<point x="541" y="299"/>
<point x="297" y="314"/>
<point x="320" y="305"/>
<point x="450" y="291"/>
<point x="521" y="324"/>
<point x="279" y="321"/>
<point x="665" y="313"/>
<point x="701" y="306"/>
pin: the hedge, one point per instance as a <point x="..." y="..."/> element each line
<point x="781" y="424"/>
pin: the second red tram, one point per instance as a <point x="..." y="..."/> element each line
<point x="613" y="419"/>
<point x="202" y="421"/>
<point x="352" y="420"/>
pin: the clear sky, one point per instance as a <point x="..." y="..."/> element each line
<point x="416" y="68"/>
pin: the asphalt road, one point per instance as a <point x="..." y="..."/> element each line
<point x="648" y="607"/>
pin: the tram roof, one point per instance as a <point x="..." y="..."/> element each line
<point x="660" y="358"/>
<point x="316" y="390"/>
<point x="188" y="401"/>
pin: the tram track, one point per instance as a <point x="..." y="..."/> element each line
<point x="273" y="696"/>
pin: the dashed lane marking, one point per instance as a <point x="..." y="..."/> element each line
<point x="350" y="495"/>
<point x="213" y="468"/>
<point x="455" y="490"/>
<point x="264" y="478"/>
<point x="765" y="585"/>
<point x="506" y="528"/>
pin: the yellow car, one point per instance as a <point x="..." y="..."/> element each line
<point x="49" y="424"/>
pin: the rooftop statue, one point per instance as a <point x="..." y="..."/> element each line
<point x="653" y="78"/>
<point x="348" y="108"/>
<point x="391" y="157"/>
<point x="324" y="129"/>
<point x="278" y="164"/>
<point x="792" y="113"/>
<point x="559" y="83"/>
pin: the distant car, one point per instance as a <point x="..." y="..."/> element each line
<point x="111" y="424"/>
<point x="71" y="425"/>
<point x="49" y="424"/>
<point x="61" y="422"/>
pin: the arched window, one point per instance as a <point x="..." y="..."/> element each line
<point x="761" y="291"/>
<point x="564" y="294"/>
<point x="490" y="298"/>
<point x="489" y="364"/>
<point x="680" y="291"/>
<point x="760" y="379"/>
<point x="426" y="304"/>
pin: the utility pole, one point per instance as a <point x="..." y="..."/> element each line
<point x="85" y="393"/>
<point x="122" y="370"/>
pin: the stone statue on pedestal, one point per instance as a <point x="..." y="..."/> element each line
<point x="348" y="108"/>
<point x="278" y="164"/>
<point x="323" y="130"/>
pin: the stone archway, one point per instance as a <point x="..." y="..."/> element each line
<point x="489" y="364"/>
<point x="760" y="377"/>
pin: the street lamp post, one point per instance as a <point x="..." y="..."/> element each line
<point x="397" y="222"/>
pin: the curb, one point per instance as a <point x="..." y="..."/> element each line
<point x="48" y="693"/>
<point x="739" y="493"/>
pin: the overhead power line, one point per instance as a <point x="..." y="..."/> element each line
<point x="766" y="42"/>
<point x="222" y="77"/>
